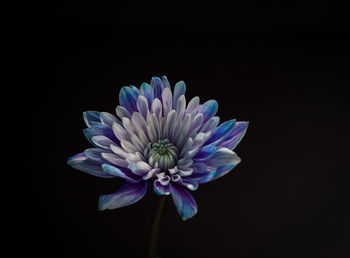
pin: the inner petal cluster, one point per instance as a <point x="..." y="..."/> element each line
<point x="161" y="154"/>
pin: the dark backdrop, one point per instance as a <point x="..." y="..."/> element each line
<point x="283" y="67"/>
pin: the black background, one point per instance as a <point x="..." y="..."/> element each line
<point x="283" y="67"/>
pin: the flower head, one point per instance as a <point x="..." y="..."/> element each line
<point x="159" y="140"/>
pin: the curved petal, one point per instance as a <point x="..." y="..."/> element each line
<point x="223" y="157"/>
<point x="189" y="183"/>
<point x="142" y="105"/>
<point x="126" y="195"/>
<point x="108" y="119"/>
<point x="94" y="154"/>
<point x="83" y="163"/>
<point x="89" y="116"/>
<point x="112" y="170"/>
<point x="99" y="129"/>
<point x="221" y="171"/>
<point x="232" y="140"/>
<point x="127" y="98"/>
<point x="208" y="109"/>
<point x="184" y="202"/>
<point x="161" y="189"/>
<point x="102" y="141"/>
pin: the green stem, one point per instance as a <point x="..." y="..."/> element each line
<point x="152" y="248"/>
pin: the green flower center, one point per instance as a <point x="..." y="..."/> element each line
<point x="162" y="154"/>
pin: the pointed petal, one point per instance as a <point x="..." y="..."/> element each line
<point x="83" y="163"/>
<point x="140" y="168"/>
<point x="115" y="160"/>
<point x="210" y="125"/>
<point x="184" y="202"/>
<point x="100" y="129"/>
<point x="126" y="195"/>
<point x="192" y="106"/>
<point x="223" y="157"/>
<point x="232" y="140"/>
<point x="94" y="154"/>
<point x="102" y="141"/>
<point x="221" y="171"/>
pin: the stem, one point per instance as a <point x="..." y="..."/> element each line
<point x="155" y="227"/>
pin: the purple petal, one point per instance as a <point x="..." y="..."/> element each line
<point x="142" y="106"/>
<point x="94" y="154"/>
<point x="116" y="172"/>
<point x="126" y="195"/>
<point x="127" y="98"/>
<point x="83" y="163"/>
<point x="221" y="171"/>
<point x="100" y="129"/>
<point x="157" y="86"/>
<point x="204" y="153"/>
<point x="221" y="132"/>
<point x="208" y="109"/>
<point x="161" y="189"/>
<point x="89" y="116"/>
<point x="102" y="141"/>
<point x="108" y="119"/>
<point x="189" y="183"/>
<point x="232" y="140"/>
<point x="184" y="202"/>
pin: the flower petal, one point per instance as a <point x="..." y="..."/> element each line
<point x="165" y="82"/>
<point x="161" y="189"/>
<point x="140" y="168"/>
<point x="142" y="105"/>
<point x="98" y="129"/>
<point x="112" y="170"/>
<point x="147" y="92"/>
<point x="92" y="167"/>
<point x="180" y="89"/>
<point x="122" y="112"/>
<point x="94" y="154"/>
<point x="204" y="153"/>
<point x="126" y="195"/>
<point x="184" y="202"/>
<point x="127" y="98"/>
<point x="208" y="109"/>
<point x="115" y="160"/>
<point x="91" y="116"/>
<point x="108" y="119"/>
<point x="102" y="141"/>
<point x="157" y="86"/>
<point x="221" y="132"/>
<point x="223" y="157"/>
<point x="232" y="140"/>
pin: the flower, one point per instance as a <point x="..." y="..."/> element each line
<point x="159" y="141"/>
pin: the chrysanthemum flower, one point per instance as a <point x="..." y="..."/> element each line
<point x="159" y="141"/>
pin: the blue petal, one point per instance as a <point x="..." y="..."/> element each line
<point x="204" y="153"/>
<point x="83" y="163"/>
<point x="147" y="92"/>
<point x="126" y="195"/>
<point x="190" y="183"/>
<point x="161" y="189"/>
<point x="157" y="86"/>
<point x="180" y="89"/>
<point x="208" y="109"/>
<point x="112" y="170"/>
<point x="127" y="98"/>
<point x="166" y="82"/>
<point x="91" y="116"/>
<point x="223" y="157"/>
<point x="184" y="202"/>
<point x="221" y="132"/>
<point x="232" y="140"/>
<point x="100" y="129"/>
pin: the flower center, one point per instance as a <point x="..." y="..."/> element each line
<point x="162" y="154"/>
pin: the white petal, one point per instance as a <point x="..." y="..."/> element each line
<point x="122" y="112"/>
<point x="128" y="125"/>
<point x="128" y="146"/>
<point x="142" y="105"/>
<point x="167" y="100"/>
<point x="180" y="107"/>
<point x="192" y="106"/>
<point x="119" y="151"/>
<point x="120" y="132"/>
<point x="157" y="107"/>
<point x="115" y="160"/>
